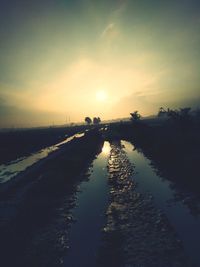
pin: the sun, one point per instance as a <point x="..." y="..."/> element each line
<point x="101" y="96"/>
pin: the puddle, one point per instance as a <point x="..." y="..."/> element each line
<point x="92" y="199"/>
<point x="186" y="225"/>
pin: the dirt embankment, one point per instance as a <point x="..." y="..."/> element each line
<point x="22" y="142"/>
<point x="173" y="152"/>
<point x="35" y="211"/>
<point x="136" y="233"/>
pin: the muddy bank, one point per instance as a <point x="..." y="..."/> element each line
<point x="36" y="211"/>
<point x="136" y="233"/>
<point x="22" y="142"/>
<point x="173" y="151"/>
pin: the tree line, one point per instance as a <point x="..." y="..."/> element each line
<point x="182" y="115"/>
<point x="95" y="120"/>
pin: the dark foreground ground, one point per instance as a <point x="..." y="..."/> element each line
<point x="21" y="142"/>
<point x="35" y="210"/>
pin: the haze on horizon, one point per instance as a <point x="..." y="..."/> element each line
<point x="77" y="58"/>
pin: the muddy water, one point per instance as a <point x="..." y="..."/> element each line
<point x="85" y="236"/>
<point x="186" y="225"/>
<point x="8" y="171"/>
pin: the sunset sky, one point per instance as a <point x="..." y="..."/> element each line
<point x="63" y="60"/>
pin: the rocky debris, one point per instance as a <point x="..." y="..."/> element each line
<point x="136" y="233"/>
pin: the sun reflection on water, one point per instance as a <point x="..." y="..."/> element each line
<point x="106" y="148"/>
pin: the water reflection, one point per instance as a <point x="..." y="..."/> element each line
<point x="8" y="171"/>
<point x="92" y="199"/>
<point x="186" y="225"/>
<point x="106" y="148"/>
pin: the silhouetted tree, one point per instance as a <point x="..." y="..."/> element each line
<point x="173" y="114"/>
<point x="135" y="116"/>
<point x="96" y="120"/>
<point x="181" y="114"/>
<point x="162" y="112"/>
<point x="88" y="120"/>
<point x="181" y="117"/>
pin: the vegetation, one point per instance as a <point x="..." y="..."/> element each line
<point x="180" y="118"/>
<point x="172" y="144"/>
<point x="96" y="120"/>
<point x="135" y="116"/>
<point x="162" y="112"/>
<point x="88" y="120"/>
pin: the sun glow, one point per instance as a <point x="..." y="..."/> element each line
<point x="101" y="96"/>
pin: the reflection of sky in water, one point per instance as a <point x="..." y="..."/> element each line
<point x="92" y="200"/>
<point x="186" y="225"/>
<point x="7" y="171"/>
<point x="106" y="148"/>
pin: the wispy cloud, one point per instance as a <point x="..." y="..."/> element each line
<point x="110" y="31"/>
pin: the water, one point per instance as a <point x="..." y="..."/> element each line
<point x="92" y="200"/>
<point x="186" y="225"/>
<point x="8" y="171"/>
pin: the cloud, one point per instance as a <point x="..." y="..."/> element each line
<point x="111" y="31"/>
<point x="108" y="30"/>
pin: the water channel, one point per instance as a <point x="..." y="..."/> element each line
<point x="92" y="200"/>
<point x="186" y="225"/>
<point x="8" y="171"/>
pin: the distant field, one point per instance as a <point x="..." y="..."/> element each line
<point x="18" y="143"/>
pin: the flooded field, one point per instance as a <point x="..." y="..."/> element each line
<point x="151" y="192"/>
<point x="117" y="212"/>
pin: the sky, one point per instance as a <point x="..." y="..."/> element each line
<point x="63" y="60"/>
